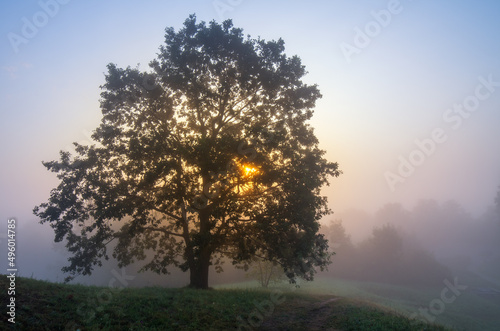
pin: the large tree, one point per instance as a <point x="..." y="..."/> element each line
<point x="206" y="156"/>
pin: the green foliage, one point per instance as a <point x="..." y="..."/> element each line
<point x="360" y="316"/>
<point x="48" y="306"/>
<point x="165" y="180"/>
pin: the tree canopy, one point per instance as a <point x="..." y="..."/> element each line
<point x="207" y="155"/>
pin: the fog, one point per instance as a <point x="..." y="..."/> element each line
<point x="394" y="127"/>
<point x="442" y="237"/>
<point x="438" y="240"/>
<point x="410" y="113"/>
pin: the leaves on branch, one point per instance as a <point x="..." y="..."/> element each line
<point x="165" y="180"/>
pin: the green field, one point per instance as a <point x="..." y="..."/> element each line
<point x="42" y="305"/>
<point x="471" y="310"/>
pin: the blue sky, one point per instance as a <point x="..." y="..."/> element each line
<point x="421" y="61"/>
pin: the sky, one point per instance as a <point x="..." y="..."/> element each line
<point x="411" y="90"/>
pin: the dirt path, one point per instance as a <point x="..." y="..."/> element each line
<point x="302" y="315"/>
<point x="319" y="314"/>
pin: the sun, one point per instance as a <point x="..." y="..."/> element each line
<point x="249" y="170"/>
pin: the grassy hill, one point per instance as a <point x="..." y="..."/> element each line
<point x="470" y="311"/>
<point x="42" y="305"/>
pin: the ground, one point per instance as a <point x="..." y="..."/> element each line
<point x="303" y="313"/>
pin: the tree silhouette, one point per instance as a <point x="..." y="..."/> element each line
<point x="208" y="155"/>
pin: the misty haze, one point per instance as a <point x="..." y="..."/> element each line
<point x="234" y="165"/>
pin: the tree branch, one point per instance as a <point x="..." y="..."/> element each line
<point x="163" y="230"/>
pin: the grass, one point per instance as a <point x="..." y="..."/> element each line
<point x="43" y="305"/>
<point x="308" y="312"/>
<point x="469" y="311"/>
<point x="48" y="306"/>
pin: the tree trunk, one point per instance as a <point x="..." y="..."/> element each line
<point x="199" y="271"/>
<point x="201" y="262"/>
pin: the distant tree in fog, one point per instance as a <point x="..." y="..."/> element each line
<point x="341" y="247"/>
<point x="338" y="239"/>
<point x="209" y="156"/>
<point x="382" y="252"/>
<point x="387" y="242"/>
<point x="393" y="213"/>
<point x="266" y="272"/>
<point x="388" y="255"/>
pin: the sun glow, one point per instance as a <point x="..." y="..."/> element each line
<point x="249" y="170"/>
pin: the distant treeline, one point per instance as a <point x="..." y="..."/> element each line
<point x="421" y="247"/>
<point x="387" y="256"/>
